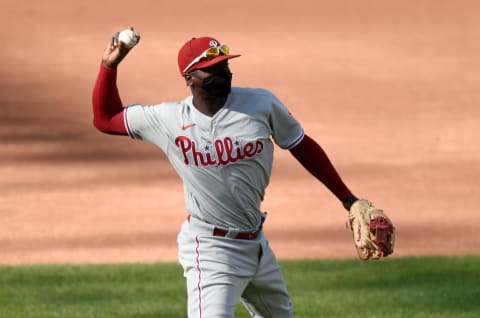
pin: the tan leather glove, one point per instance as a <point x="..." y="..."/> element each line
<point x="373" y="232"/>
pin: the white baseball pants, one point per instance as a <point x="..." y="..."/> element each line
<point x="222" y="271"/>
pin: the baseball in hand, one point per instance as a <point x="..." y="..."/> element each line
<point x="128" y="37"/>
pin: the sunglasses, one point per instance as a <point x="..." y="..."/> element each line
<point x="209" y="54"/>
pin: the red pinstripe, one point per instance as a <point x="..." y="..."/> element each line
<point x="199" y="284"/>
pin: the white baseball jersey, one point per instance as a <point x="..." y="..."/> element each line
<point x="224" y="161"/>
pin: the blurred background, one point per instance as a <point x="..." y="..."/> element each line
<point x="389" y="89"/>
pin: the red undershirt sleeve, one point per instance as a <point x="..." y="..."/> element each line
<point x="107" y="105"/>
<point x="314" y="159"/>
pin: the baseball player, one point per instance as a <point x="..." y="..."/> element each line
<point x="220" y="140"/>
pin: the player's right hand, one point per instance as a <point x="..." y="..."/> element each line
<point x="115" y="52"/>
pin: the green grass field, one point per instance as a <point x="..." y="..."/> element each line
<point x="397" y="287"/>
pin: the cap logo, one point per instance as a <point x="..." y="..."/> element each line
<point x="213" y="43"/>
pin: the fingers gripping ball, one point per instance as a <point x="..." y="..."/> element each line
<point x="373" y="232"/>
<point x="128" y="37"/>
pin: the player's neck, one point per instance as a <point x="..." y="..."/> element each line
<point x="209" y="105"/>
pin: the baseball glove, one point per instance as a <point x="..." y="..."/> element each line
<point x="373" y="232"/>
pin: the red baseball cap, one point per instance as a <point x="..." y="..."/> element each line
<point x="193" y="50"/>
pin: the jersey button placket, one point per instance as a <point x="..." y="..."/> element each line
<point x="212" y="138"/>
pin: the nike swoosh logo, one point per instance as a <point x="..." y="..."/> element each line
<point x="185" y="127"/>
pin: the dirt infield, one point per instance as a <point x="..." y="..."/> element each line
<point x="391" y="91"/>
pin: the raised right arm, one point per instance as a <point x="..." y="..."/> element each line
<point x="107" y="105"/>
<point x="106" y="102"/>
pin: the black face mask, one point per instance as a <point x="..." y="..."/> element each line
<point x="219" y="84"/>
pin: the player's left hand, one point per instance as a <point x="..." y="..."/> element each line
<point x="373" y="231"/>
<point x="115" y="52"/>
